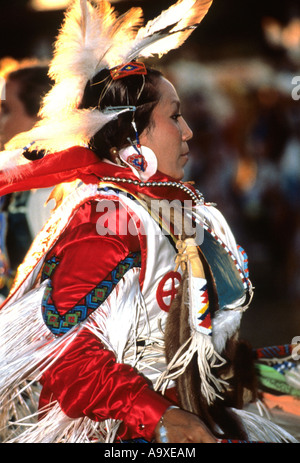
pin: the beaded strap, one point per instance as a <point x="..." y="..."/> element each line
<point x="197" y="197"/>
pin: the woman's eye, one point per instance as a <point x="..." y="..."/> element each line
<point x="176" y="116"/>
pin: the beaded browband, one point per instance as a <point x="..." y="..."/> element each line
<point x="129" y="69"/>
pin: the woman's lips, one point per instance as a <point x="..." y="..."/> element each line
<point x="185" y="155"/>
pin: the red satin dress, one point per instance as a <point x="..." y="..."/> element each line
<point x="86" y="380"/>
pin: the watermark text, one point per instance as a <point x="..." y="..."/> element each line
<point x="173" y="217"/>
<point x="296" y="349"/>
<point x="296" y="89"/>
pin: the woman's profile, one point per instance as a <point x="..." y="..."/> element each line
<point x="127" y="307"/>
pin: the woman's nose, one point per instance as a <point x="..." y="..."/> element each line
<point x="187" y="132"/>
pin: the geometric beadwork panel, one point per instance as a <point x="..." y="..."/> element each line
<point x="49" y="268"/>
<point x="59" y="325"/>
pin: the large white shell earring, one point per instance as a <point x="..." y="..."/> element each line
<point x="141" y="160"/>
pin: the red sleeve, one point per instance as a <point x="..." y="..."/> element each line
<point x="86" y="380"/>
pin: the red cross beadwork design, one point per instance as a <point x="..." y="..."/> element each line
<point x="167" y="290"/>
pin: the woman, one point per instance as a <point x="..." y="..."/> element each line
<point x="139" y="313"/>
<point x="167" y="134"/>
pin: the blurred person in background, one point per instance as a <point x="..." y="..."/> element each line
<point x="23" y="213"/>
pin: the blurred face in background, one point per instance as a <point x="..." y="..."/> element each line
<point x="13" y="115"/>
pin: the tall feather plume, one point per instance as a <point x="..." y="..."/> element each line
<point x="94" y="37"/>
<point x="124" y="33"/>
<point x="83" y="49"/>
<point x="169" y="30"/>
<point x="82" y="43"/>
<point x="87" y="34"/>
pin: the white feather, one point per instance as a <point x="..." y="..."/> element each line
<point x="260" y="429"/>
<point x="184" y="14"/>
<point x="76" y="128"/>
<point x="82" y="43"/>
<point x="94" y="37"/>
<point x="225" y="324"/>
<point x="169" y="17"/>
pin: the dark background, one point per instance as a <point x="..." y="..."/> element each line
<point x="232" y="26"/>
<point x="232" y="30"/>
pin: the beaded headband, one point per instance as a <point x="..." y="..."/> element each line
<point x="129" y="69"/>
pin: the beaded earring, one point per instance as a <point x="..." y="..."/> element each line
<point x="140" y="159"/>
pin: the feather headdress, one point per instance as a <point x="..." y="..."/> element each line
<point x="94" y="37"/>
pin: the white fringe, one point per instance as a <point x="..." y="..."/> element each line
<point x="56" y="427"/>
<point x="263" y="430"/>
<point x="207" y="359"/>
<point x="28" y="349"/>
<point x="120" y="329"/>
<point x="22" y="331"/>
<point x="116" y="323"/>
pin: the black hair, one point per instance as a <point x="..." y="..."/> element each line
<point x="34" y="83"/>
<point x="140" y="91"/>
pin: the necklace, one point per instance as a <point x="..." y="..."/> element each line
<point x="197" y="197"/>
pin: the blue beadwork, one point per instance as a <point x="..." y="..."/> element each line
<point x="59" y="325"/>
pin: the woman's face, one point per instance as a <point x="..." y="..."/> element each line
<point x="13" y="116"/>
<point x="168" y="132"/>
